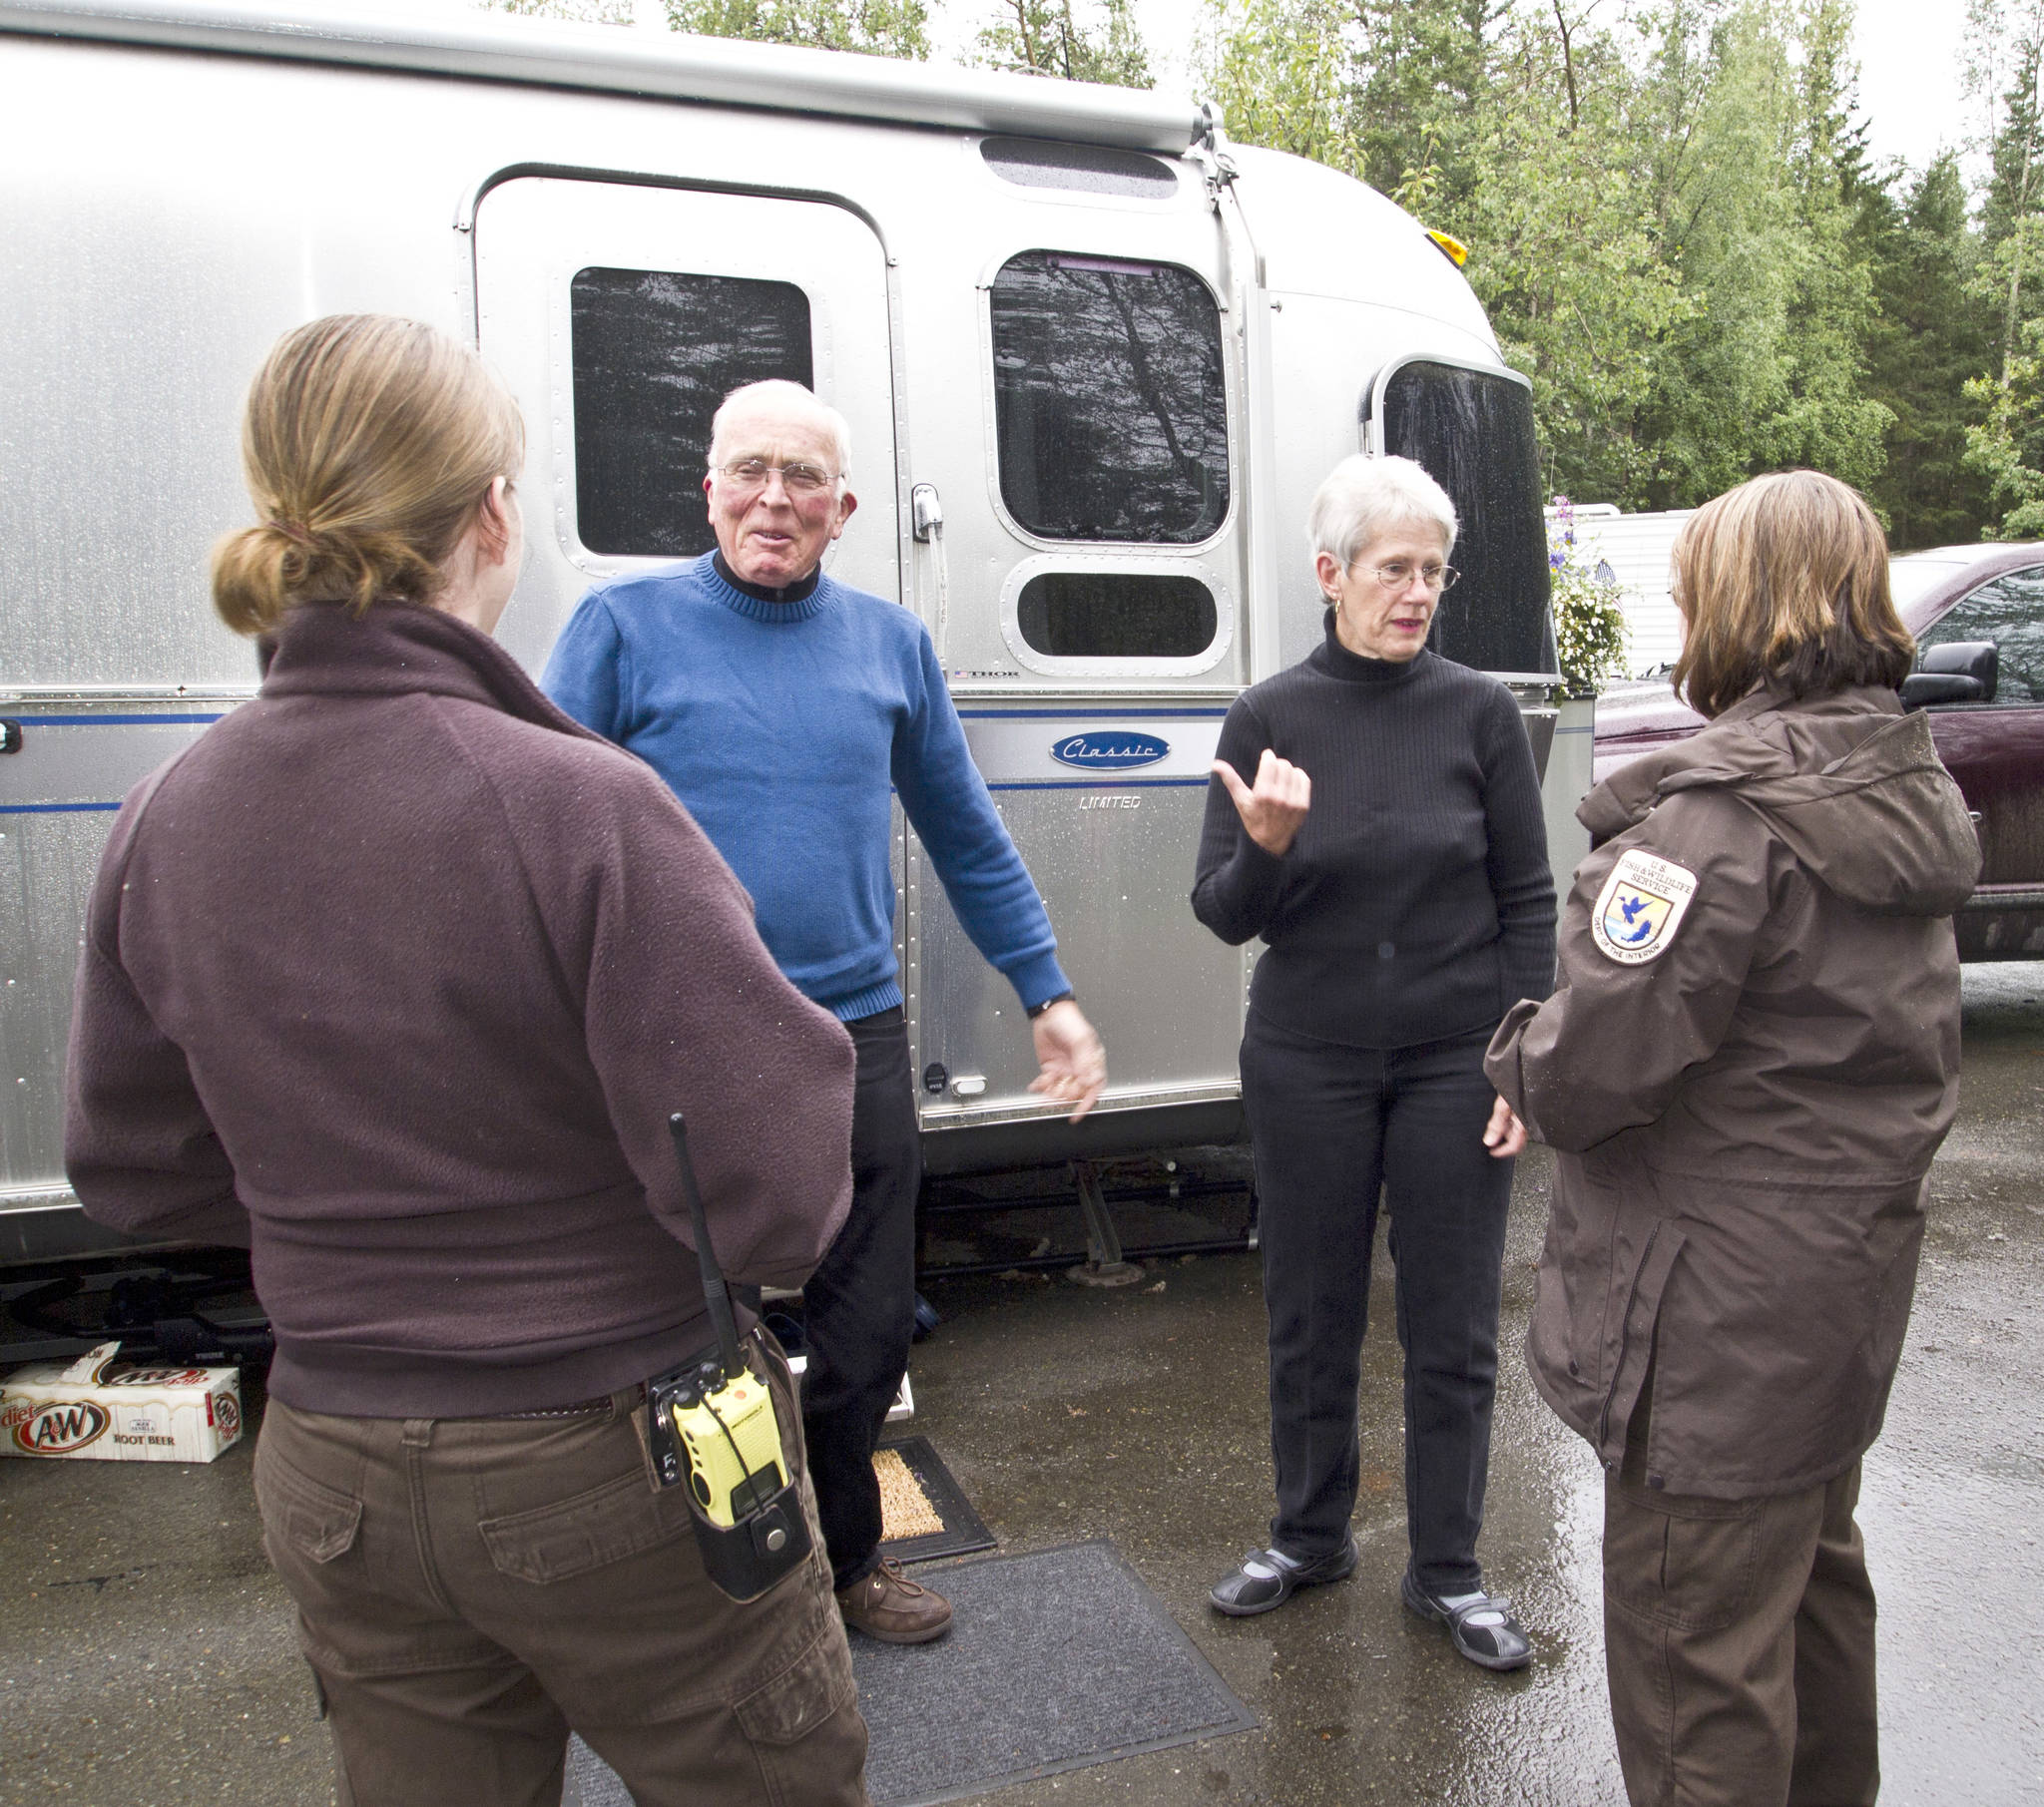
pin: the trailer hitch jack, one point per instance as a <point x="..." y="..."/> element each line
<point x="1104" y="1266"/>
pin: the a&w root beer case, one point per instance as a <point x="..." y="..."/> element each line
<point x="91" y="1410"/>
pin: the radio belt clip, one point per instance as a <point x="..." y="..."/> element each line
<point x="713" y="1429"/>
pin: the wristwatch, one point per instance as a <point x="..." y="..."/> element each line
<point x="1037" y="1010"/>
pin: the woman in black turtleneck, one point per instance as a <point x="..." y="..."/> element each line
<point x="1375" y="818"/>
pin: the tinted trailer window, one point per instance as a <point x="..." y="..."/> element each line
<point x="1473" y="430"/>
<point x="1108" y="400"/>
<point x="1116" y="615"/>
<point x="654" y="352"/>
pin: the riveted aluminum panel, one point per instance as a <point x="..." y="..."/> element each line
<point x="152" y="258"/>
<point x="58" y="795"/>
<point x="533" y="233"/>
<point x="1112" y="852"/>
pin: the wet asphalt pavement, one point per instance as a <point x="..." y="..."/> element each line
<point x="146" y="1660"/>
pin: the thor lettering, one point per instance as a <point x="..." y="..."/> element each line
<point x="1641" y="907"/>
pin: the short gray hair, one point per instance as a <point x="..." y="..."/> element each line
<point x="789" y="395"/>
<point x="1363" y="499"/>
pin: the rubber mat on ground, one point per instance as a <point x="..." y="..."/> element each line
<point x="926" y="1515"/>
<point x="1059" y="1659"/>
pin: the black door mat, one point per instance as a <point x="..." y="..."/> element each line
<point x="1058" y="1659"/>
<point x="926" y="1513"/>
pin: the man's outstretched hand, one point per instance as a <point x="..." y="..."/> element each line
<point x="1073" y="1063"/>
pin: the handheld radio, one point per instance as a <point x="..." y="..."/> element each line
<point x="712" y="1428"/>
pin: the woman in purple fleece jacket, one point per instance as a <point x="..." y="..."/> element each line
<point x="395" y="975"/>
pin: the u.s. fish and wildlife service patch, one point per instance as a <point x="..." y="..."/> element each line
<point x="1641" y="907"/>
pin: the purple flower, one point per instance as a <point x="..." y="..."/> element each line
<point x="1556" y="559"/>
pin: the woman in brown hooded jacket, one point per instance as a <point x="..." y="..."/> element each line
<point x="1750" y="1057"/>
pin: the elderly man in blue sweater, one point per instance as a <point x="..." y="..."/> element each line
<point x="781" y="706"/>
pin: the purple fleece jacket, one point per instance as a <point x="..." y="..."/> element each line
<point x="395" y="975"/>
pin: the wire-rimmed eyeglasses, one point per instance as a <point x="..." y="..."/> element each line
<point x="803" y="481"/>
<point x="1397" y="572"/>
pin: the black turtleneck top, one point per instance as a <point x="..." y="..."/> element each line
<point x="1415" y="902"/>
<point x="796" y="592"/>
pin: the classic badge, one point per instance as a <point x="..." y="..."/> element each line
<point x="1641" y="907"/>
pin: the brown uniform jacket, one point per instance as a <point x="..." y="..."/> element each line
<point x="1750" y="1058"/>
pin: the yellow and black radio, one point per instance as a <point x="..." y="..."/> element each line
<point x="726" y="1431"/>
<point x="712" y="1425"/>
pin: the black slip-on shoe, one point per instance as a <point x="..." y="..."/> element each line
<point x="1480" y="1625"/>
<point x="1264" y="1581"/>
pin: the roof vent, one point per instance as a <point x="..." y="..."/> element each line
<point x="1034" y="163"/>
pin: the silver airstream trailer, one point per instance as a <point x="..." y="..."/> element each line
<point x="1094" y="358"/>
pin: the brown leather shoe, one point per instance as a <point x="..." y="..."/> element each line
<point x="889" y="1605"/>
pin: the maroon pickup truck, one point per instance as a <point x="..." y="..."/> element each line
<point x="1978" y="616"/>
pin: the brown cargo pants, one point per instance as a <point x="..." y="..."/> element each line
<point x="469" y="1590"/>
<point x="1739" y="1640"/>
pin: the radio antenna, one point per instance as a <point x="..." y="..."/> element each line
<point x="714" y="1292"/>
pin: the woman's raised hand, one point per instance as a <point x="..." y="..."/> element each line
<point x="1274" y="807"/>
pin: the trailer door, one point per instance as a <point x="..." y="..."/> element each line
<point x="621" y="313"/>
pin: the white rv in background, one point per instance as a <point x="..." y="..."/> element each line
<point x="1638" y="549"/>
<point x="1095" y="361"/>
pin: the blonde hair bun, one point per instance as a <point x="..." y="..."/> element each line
<point x="368" y="442"/>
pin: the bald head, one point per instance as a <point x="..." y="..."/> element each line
<point x="775" y="485"/>
<point x="770" y="408"/>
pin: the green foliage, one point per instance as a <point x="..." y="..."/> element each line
<point x="1281" y="77"/>
<point x="1754" y="203"/>
<point x="574" y="12"/>
<point x="1076" y="40"/>
<point x="1045" y="37"/>
<point x="1674" y="227"/>
<point x="2005" y="443"/>
<point x="1589" y="630"/>
<point x="1932" y="331"/>
<point x="888" y="28"/>
<point x="1570" y="269"/>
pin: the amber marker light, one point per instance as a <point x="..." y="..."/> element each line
<point x="1453" y="250"/>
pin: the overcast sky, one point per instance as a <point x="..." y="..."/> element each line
<point x="1910" y="77"/>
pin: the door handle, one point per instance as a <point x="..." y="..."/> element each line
<point x="926" y="522"/>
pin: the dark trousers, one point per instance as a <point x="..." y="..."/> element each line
<point x="1739" y="1639"/>
<point x="1331" y="1126"/>
<point x="469" y="1588"/>
<point x="859" y="1304"/>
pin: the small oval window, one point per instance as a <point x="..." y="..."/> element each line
<point x="1116" y="615"/>
<point x="1036" y="163"/>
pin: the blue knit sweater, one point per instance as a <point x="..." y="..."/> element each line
<point x="780" y="726"/>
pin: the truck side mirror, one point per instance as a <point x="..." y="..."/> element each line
<point x="1962" y="670"/>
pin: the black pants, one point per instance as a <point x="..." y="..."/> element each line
<point x="1330" y="1126"/>
<point x="859" y="1304"/>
